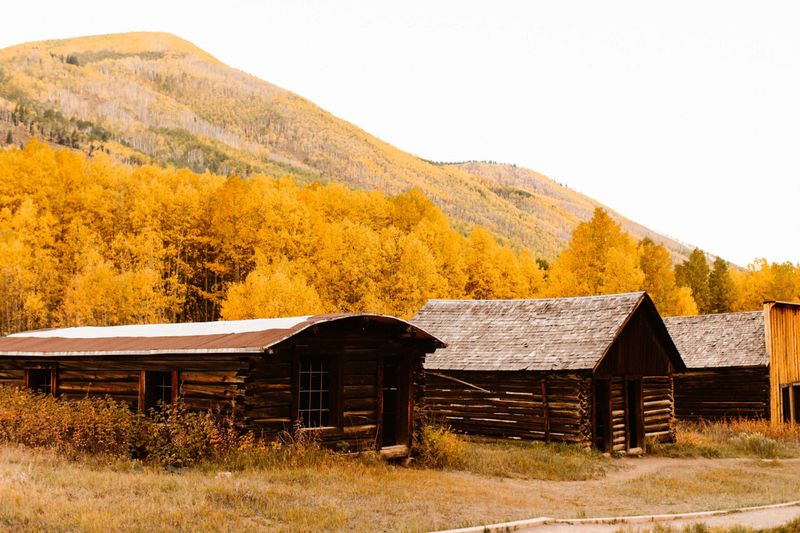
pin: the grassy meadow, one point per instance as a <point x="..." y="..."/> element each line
<point x="93" y="465"/>
<point x="312" y="489"/>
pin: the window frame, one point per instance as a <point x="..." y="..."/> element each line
<point x="143" y="403"/>
<point x="335" y="392"/>
<point x="52" y="368"/>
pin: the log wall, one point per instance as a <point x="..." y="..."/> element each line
<point x="270" y="401"/>
<point x="519" y="405"/>
<point x="658" y="401"/>
<point x="719" y="393"/>
<point x="209" y="382"/>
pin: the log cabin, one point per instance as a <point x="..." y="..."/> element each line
<point x="596" y="370"/>
<point x="356" y="379"/>
<point x="740" y="365"/>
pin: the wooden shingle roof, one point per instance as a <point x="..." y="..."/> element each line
<point x="722" y="340"/>
<point x="540" y="334"/>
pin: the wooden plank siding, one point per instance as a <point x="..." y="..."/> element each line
<point x="720" y="393"/>
<point x="782" y="323"/>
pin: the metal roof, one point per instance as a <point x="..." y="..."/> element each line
<point x="721" y="340"/>
<point x="540" y="334"/>
<point x="240" y="336"/>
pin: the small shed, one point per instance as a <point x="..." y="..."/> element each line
<point x="591" y="370"/>
<point x="355" y="378"/>
<point x="740" y="365"/>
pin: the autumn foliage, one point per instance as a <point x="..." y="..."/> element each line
<point x="89" y="241"/>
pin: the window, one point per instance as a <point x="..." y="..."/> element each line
<point x="40" y="380"/>
<point x="314" y="401"/>
<point x="159" y="388"/>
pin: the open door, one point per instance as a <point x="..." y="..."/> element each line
<point x="394" y="417"/>
<point x="634" y="418"/>
<point x="602" y="415"/>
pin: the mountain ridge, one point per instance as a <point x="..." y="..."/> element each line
<point x="157" y="98"/>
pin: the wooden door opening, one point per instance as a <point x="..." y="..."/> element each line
<point x="786" y="404"/>
<point x="633" y="415"/>
<point x="395" y="389"/>
<point x="796" y="403"/>
<point x="602" y="415"/>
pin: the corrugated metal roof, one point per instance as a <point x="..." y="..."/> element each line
<point x="241" y="336"/>
<point x="722" y="340"/>
<point x="540" y="334"/>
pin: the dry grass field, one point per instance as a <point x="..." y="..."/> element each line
<point x="315" y="490"/>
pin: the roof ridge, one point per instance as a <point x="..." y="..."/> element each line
<point x="587" y="297"/>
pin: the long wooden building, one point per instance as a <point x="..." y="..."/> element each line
<point x="589" y="370"/>
<point x="740" y="365"/>
<point x="355" y="378"/>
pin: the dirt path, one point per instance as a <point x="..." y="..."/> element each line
<point x="636" y="467"/>
<point x="629" y="470"/>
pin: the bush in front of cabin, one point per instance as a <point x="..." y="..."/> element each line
<point x="440" y="447"/>
<point x="86" y="426"/>
<point x="173" y="436"/>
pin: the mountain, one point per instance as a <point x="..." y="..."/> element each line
<point x="156" y="98"/>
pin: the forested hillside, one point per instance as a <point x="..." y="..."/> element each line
<point x="154" y="98"/>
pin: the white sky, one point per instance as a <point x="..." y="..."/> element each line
<point x="684" y="116"/>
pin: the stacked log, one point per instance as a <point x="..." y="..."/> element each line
<point x="618" y="409"/>
<point x="719" y="393"/>
<point x="518" y="405"/>
<point x="658" y="408"/>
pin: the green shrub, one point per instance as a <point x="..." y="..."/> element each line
<point x="756" y="444"/>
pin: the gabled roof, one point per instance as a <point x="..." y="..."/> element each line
<point x="235" y="336"/>
<point x="722" y="340"/>
<point x="540" y="334"/>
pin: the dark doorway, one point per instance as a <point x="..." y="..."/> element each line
<point x="391" y="397"/>
<point x="602" y="415"/>
<point x="396" y="402"/>
<point x="786" y="405"/>
<point x="796" y="394"/>
<point x="634" y="418"/>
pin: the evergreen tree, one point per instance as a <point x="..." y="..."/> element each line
<point x="9" y="138"/>
<point x="693" y="273"/>
<point x="720" y="288"/>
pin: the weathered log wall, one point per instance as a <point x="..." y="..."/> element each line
<point x="521" y="405"/>
<point x="718" y="393"/>
<point x="270" y="401"/>
<point x="658" y="401"/>
<point x="209" y="382"/>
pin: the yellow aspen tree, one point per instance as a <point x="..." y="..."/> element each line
<point x="600" y="259"/>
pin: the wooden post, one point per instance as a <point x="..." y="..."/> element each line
<point x="175" y="385"/>
<point x="142" y="388"/>
<point x="379" y="409"/>
<point x="546" y="409"/>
